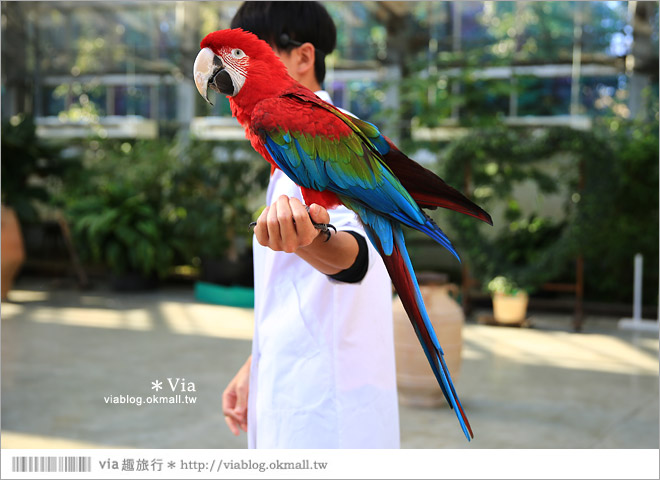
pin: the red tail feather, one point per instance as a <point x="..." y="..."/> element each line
<point x="429" y="190"/>
<point x="402" y="280"/>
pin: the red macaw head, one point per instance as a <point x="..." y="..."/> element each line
<point x="231" y="58"/>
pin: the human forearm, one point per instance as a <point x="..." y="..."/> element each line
<point x="333" y="256"/>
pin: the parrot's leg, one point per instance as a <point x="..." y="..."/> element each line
<point x="323" y="227"/>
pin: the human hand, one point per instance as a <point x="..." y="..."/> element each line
<point x="235" y="398"/>
<point x="286" y="225"/>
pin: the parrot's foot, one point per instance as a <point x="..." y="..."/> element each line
<point x="323" y="227"/>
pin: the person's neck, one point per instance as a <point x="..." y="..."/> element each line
<point x="311" y="83"/>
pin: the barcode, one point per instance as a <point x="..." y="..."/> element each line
<point x="51" y="464"/>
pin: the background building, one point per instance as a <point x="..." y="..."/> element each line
<point x="99" y="79"/>
<point x="127" y="65"/>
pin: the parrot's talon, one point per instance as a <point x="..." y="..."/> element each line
<point x="252" y="224"/>
<point x="325" y="229"/>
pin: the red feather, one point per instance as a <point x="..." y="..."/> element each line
<point x="326" y="198"/>
<point x="426" y="188"/>
<point x="405" y="287"/>
<point x="429" y="190"/>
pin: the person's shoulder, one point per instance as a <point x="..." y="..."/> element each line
<point x="325" y="96"/>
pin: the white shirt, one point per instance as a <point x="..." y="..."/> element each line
<point x="323" y="371"/>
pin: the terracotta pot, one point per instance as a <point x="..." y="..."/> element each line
<point x="511" y="309"/>
<point x="416" y="383"/>
<point x="13" y="251"/>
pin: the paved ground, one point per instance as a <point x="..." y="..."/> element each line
<point x="63" y="351"/>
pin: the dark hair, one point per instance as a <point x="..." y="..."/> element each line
<point x="286" y="25"/>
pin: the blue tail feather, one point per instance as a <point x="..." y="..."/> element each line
<point x="436" y="359"/>
<point x="404" y="279"/>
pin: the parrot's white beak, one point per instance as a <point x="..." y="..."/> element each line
<point x="203" y="70"/>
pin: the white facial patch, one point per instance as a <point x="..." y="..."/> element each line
<point x="236" y="64"/>
<point x="237" y="79"/>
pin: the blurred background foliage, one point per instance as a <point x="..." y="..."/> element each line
<point x="30" y="168"/>
<point x="118" y="206"/>
<point x="553" y="107"/>
<point x="608" y="208"/>
<point x="150" y="205"/>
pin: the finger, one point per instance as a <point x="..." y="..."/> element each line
<point x="261" y="229"/>
<point x="288" y="235"/>
<point x="228" y="404"/>
<point x="235" y="418"/>
<point x="241" y="401"/>
<point x="304" y="228"/>
<point x="242" y="421"/>
<point x="318" y="214"/>
<point x="241" y="407"/>
<point x="228" y="399"/>
<point x="233" y="425"/>
<point x="273" y="227"/>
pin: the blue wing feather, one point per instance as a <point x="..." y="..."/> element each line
<point x="365" y="184"/>
<point x="385" y="196"/>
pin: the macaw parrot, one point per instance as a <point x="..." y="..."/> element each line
<point x="336" y="159"/>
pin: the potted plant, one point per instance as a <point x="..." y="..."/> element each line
<point x="509" y="300"/>
<point x="520" y="260"/>
<point x="508" y="172"/>
<point x="517" y="261"/>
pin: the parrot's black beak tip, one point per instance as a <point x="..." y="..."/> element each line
<point x="209" y="87"/>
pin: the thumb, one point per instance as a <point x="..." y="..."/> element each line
<point x="318" y="214"/>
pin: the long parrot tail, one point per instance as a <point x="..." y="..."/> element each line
<point x="429" y="190"/>
<point x="403" y="276"/>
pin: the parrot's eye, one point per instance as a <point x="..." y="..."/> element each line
<point x="237" y="53"/>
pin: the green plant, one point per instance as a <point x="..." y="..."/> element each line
<point x="609" y="218"/>
<point x="122" y="230"/>
<point x="147" y="206"/>
<point x="504" y="285"/>
<point x="116" y="206"/>
<point x="526" y="247"/>
<point x="30" y="167"/>
<point x="618" y="210"/>
<point x="213" y="186"/>
<point x="530" y="252"/>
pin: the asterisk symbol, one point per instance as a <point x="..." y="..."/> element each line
<point x="157" y="385"/>
<point x="171" y="464"/>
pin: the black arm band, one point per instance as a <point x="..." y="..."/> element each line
<point x="356" y="272"/>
